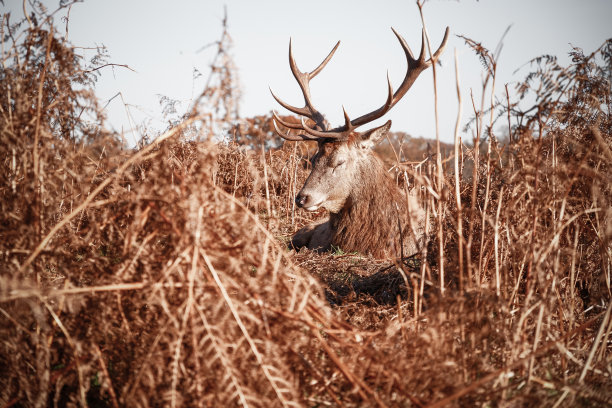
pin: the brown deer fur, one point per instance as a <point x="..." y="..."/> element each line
<point x="373" y="212"/>
<point x="368" y="213"/>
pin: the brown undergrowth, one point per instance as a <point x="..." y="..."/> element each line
<point x="160" y="276"/>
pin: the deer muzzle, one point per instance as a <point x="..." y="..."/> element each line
<point x="307" y="201"/>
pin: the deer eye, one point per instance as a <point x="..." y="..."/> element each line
<point x="339" y="163"/>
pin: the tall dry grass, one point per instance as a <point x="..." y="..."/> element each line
<point x="159" y="276"/>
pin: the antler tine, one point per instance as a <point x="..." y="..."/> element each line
<point x="286" y="124"/>
<point x="442" y="46"/>
<point x="322" y="135"/>
<point x="299" y="111"/>
<point x="414" y="69"/>
<point x="341" y="133"/>
<point x="303" y="79"/>
<point x="378" y="113"/>
<point x="416" y="66"/>
<point x="322" y="65"/>
<point x="297" y="138"/>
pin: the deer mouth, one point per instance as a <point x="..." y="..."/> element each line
<point x="313" y="207"/>
<point x="308" y="201"/>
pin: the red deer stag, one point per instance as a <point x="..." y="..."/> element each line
<point x="369" y="213"/>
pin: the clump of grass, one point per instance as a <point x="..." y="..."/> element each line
<point x="133" y="277"/>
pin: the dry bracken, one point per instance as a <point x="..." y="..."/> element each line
<point x="160" y="275"/>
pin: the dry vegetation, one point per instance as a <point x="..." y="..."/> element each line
<point x="160" y="277"/>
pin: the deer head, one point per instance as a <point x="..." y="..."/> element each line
<point x="344" y="154"/>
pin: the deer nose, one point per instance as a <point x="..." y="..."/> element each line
<point x="301" y="199"/>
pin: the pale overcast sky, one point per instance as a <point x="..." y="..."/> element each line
<point x="159" y="40"/>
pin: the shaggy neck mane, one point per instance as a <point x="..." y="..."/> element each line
<point x="368" y="222"/>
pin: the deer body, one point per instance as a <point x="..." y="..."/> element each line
<point x="369" y="213"/>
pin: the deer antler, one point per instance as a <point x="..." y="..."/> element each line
<point x="303" y="79"/>
<point x="414" y="69"/>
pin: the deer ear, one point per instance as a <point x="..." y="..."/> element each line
<point x="370" y="138"/>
